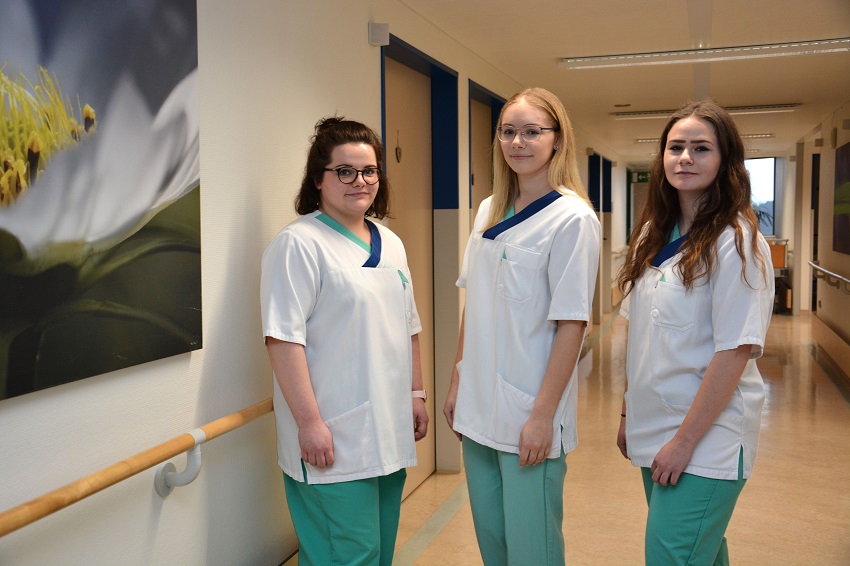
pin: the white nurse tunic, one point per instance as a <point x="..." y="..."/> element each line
<point x="521" y="277"/>
<point x="355" y="323"/>
<point x="673" y="335"/>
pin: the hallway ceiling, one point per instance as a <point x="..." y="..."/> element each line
<point x="527" y="39"/>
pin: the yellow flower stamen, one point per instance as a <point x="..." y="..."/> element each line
<point x="36" y="121"/>
<point x="33" y="153"/>
<point x="8" y="187"/>
<point x="88" y="118"/>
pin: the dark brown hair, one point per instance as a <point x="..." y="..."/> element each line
<point x="331" y="133"/>
<point x="725" y="203"/>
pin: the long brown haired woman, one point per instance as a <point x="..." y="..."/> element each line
<point x="699" y="295"/>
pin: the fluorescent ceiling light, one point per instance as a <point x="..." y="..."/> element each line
<point x="735" y="110"/>
<point x="743" y="136"/>
<point x="708" y="55"/>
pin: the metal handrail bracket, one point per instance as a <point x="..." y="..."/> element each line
<point x="167" y="477"/>
<point x="830" y="278"/>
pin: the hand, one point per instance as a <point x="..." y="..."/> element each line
<point x="317" y="444"/>
<point x="670" y="461"/>
<point x="535" y="441"/>
<point x="621" y="439"/>
<point x="451" y="399"/>
<point x="420" y="419"/>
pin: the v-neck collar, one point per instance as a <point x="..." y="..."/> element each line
<point x="668" y="251"/>
<point x="374" y="250"/>
<point x="522" y="215"/>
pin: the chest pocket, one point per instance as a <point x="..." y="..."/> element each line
<point x="673" y="307"/>
<point x="517" y="273"/>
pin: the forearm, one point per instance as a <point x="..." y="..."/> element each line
<point x="417" y="363"/>
<point x="289" y="362"/>
<point x="562" y="361"/>
<point x="451" y="394"/>
<point x="717" y="387"/>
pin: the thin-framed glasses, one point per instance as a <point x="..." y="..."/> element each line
<point x="348" y="175"/>
<point x="528" y="134"/>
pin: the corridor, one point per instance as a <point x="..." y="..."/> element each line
<point x="795" y="510"/>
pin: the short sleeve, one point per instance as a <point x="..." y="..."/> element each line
<point x="741" y="304"/>
<point x="626" y="305"/>
<point x="573" y="264"/>
<point x="464" y="268"/>
<point x="289" y="287"/>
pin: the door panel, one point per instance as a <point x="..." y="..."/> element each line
<point x="408" y="148"/>
<point x="481" y="147"/>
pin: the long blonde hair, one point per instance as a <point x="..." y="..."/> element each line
<point x="563" y="168"/>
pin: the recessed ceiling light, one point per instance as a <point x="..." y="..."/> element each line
<point x="757" y="136"/>
<point x="819" y="46"/>
<point x="647" y="140"/>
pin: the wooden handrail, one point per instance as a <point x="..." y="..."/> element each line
<point x="49" y="503"/>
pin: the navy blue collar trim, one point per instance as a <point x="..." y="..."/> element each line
<point x="375" y="256"/>
<point x="668" y="251"/>
<point x="523" y="215"/>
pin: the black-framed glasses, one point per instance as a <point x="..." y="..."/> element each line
<point x="527" y="134"/>
<point x="348" y="175"/>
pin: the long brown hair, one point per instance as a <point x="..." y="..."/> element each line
<point x="725" y="203"/>
<point x="563" y="169"/>
<point x="331" y="133"/>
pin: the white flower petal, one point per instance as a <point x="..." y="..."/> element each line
<point x="101" y="192"/>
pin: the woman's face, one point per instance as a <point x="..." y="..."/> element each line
<point x="692" y="155"/>
<point x="528" y="159"/>
<point x="348" y="201"/>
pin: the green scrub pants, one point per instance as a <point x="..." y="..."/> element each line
<point x="687" y="522"/>
<point x="351" y="523"/>
<point x="518" y="512"/>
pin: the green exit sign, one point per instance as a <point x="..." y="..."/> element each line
<point x="641" y="177"/>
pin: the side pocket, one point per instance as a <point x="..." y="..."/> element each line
<point x="511" y="409"/>
<point x="354" y="443"/>
<point x="726" y="430"/>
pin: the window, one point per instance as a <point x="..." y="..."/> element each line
<point x="762" y="181"/>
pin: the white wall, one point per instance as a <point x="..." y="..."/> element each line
<point x="834" y="303"/>
<point x="268" y="73"/>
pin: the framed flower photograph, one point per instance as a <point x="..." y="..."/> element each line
<point x="100" y="250"/>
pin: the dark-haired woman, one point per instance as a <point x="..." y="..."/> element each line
<point x="341" y="329"/>
<point x="699" y="294"/>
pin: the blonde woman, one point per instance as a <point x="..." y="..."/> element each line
<point x="529" y="271"/>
